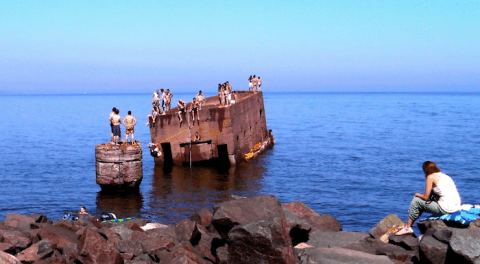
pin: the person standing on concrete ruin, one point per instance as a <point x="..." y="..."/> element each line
<point x="117" y="133"/>
<point x="200" y="99"/>
<point x="162" y="100"/>
<point x="182" y="105"/>
<point x="168" y="100"/>
<point x="221" y="95"/>
<point x="129" y="122"/>
<point x="194" y="110"/>
<point x="259" y="81"/>
<point x="255" y="83"/>
<point x="110" y="117"/>
<point x="155" y="98"/>
<point x="446" y="201"/>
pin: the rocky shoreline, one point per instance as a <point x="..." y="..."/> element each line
<point x="242" y="230"/>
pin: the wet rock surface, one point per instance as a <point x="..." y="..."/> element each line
<point x="247" y="230"/>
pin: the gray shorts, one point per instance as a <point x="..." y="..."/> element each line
<point x="117" y="131"/>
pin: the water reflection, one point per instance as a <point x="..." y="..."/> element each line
<point x="121" y="204"/>
<point x="178" y="192"/>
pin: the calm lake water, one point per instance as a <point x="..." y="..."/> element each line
<point x="354" y="156"/>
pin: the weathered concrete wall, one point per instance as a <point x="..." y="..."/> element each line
<point x="239" y="126"/>
<point x="119" y="166"/>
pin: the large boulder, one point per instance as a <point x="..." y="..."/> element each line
<point x="318" y="222"/>
<point x="58" y="236"/>
<point x="204" y="217"/>
<point x="408" y="242"/>
<point x="123" y="231"/>
<point x="19" y="221"/>
<point x="298" y="229"/>
<point x="18" y="239"/>
<point x="109" y="235"/>
<point x="465" y="244"/>
<point x="431" y="250"/>
<point x="94" y="249"/>
<point x="187" y="230"/>
<point x="6" y="258"/>
<point x="152" y="244"/>
<point x="385" y="226"/>
<point x="129" y="246"/>
<point x="339" y="255"/>
<point x="36" y="252"/>
<point x="256" y="228"/>
<point x="427" y="224"/>
<point x="264" y="241"/>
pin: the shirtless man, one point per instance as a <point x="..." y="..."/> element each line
<point x="221" y="95"/>
<point x="153" y="115"/>
<point x="181" y="109"/>
<point x="83" y="211"/>
<point x="250" y="83"/>
<point x="155" y="98"/>
<point x="116" y="121"/>
<point x="259" y="81"/>
<point x="194" y="110"/>
<point x="111" y="124"/>
<point x="168" y="99"/>
<point x="129" y="122"/>
<point x="200" y="98"/>
<point x="255" y="83"/>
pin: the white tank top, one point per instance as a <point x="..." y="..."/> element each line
<point x="446" y="189"/>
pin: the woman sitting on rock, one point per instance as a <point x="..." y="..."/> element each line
<point x="441" y="186"/>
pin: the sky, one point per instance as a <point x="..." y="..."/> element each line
<point x="302" y="46"/>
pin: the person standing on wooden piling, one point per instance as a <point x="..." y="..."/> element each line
<point x="129" y="122"/>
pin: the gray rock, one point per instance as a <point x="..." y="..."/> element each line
<point x="335" y="239"/>
<point x="465" y="243"/>
<point x="377" y="247"/>
<point x="384" y="225"/>
<point x="408" y="242"/>
<point x="338" y="256"/>
<point x="122" y="231"/>
<point x="297" y="228"/>
<point x="431" y="250"/>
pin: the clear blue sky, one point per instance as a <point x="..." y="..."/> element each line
<point x="326" y="46"/>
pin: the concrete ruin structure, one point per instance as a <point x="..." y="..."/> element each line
<point x="223" y="135"/>
<point x="119" y="167"/>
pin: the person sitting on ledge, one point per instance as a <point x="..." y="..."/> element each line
<point x="442" y="187"/>
<point x="83" y="211"/>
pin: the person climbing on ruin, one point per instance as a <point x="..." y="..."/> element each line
<point x="182" y="105"/>
<point x="200" y="99"/>
<point x="154" y="151"/>
<point x="116" y="121"/>
<point x="129" y="122"/>
<point x="111" y="124"/>
<point x="446" y="201"/>
<point x="194" y="110"/>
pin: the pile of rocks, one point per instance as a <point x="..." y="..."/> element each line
<point x="242" y="230"/>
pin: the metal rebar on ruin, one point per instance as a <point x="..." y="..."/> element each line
<point x="119" y="167"/>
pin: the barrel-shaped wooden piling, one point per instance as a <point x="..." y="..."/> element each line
<point x="119" y="166"/>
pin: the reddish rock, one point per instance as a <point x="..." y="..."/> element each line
<point x="58" y="235"/>
<point x="110" y="235"/>
<point x="204" y="217"/>
<point x="67" y="224"/>
<point x="134" y="227"/>
<point x="36" y="252"/>
<point x="163" y="256"/>
<point x="127" y="256"/>
<point x="185" y="248"/>
<point x="324" y="222"/>
<point x="39" y="218"/>
<point x="152" y="244"/>
<point x="206" y="245"/>
<point x="94" y="249"/>
<point x="19" y="221"/>
<point x="300" y="209"/>
<point x="18" y="239"/>
<point x="263" y="241"/>
<point x="187" y="230"/>
<point x="129" y="246"/>
<point x="7" y="247"/>
<point x="6" y="258"/>
<point x="183" y="259"/>
<point x="165" y="231"/>
<point x="222" y="255"/>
